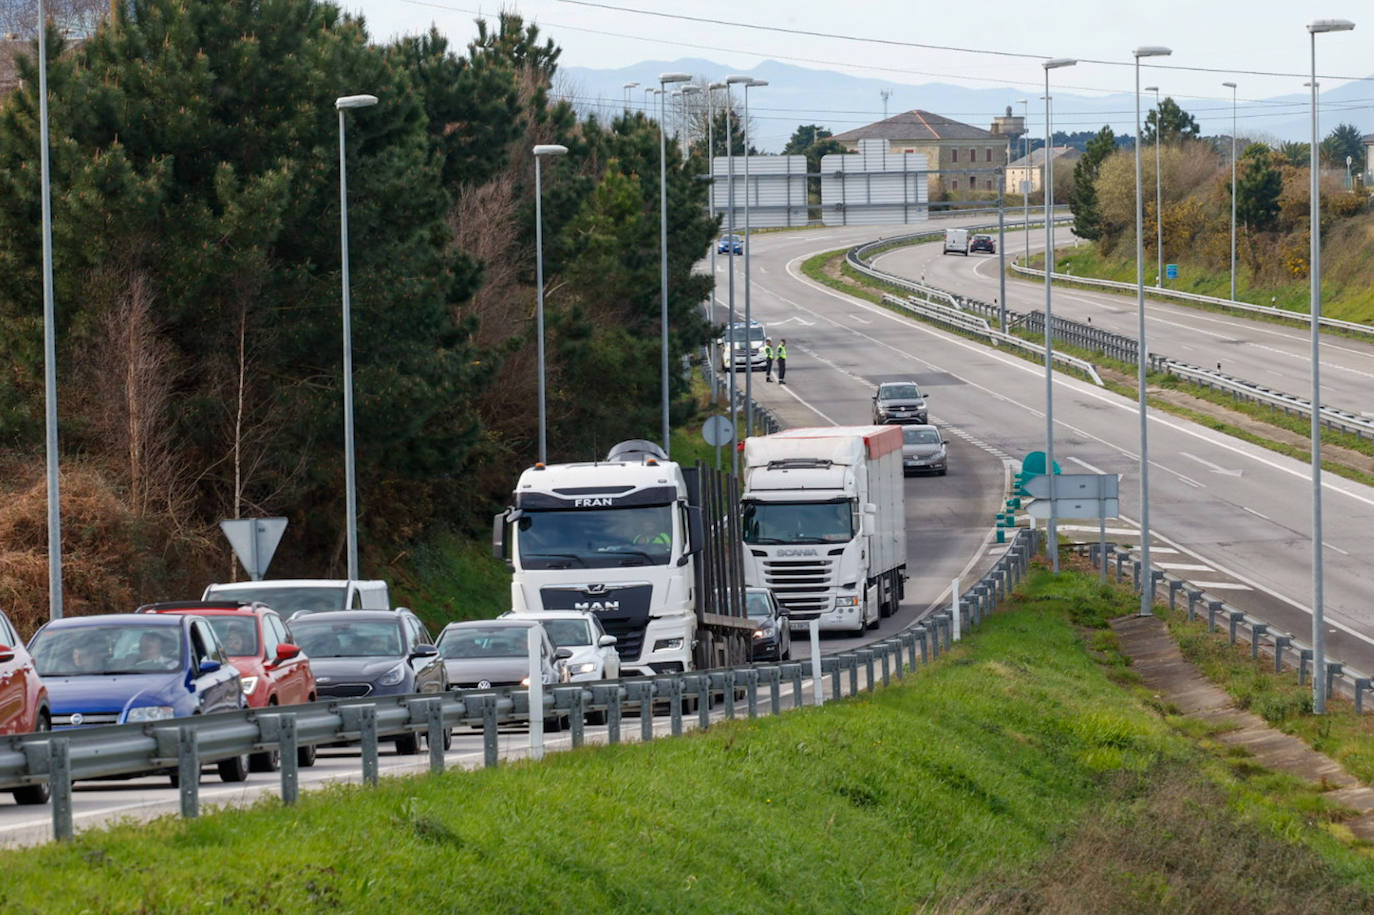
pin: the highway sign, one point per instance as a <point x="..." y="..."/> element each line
<point x="254" y="541"/>
<point x="717" y="430"/>
<point x="1074" y="486"/>
<point x="1171" y="271"/>
<point x="1075" y="508"/>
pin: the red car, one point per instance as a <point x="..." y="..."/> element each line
<point x="258" y="643"/>
<point x="23" y="700"/>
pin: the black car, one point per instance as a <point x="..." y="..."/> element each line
<point x="772" y="633"/>
<point x="983" y="243"/>
<point x="356" y="653"/>
<point x="899" y="402"/>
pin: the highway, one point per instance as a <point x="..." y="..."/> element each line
<point x="1266" y="352"/>
<point x="1232" y="517"/>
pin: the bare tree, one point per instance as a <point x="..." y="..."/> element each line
<point x="76" y="18"/>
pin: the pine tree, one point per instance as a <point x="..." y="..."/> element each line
<point x="1087" y="219"/>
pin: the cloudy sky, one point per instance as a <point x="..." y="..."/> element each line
<point x="1261" y="44"/>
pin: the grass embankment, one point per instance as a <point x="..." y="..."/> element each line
<point x="1347" y="279"/>
<point x="1015" y="774"/>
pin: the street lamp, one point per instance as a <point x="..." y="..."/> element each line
<point x="748" y="82"/>
<point x="1159" y="194"/>
<point x="1232" y="87"/>
<point x="1142" y="350"/>
<point x="539" y="153"/>
<point x="627" y="87"/>
<point x="1318" y="613"/>
<point x="730" y="217"/>
<point x="711" y="197"/>
<point x="350" y="474"/>
<point x="687" y="119"/>
<point x="1025" y="183"/>
<point x="664" y="79"/>
<point x="1052" y="528"/>
<point x="49" y="336"/>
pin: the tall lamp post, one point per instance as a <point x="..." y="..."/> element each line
<point x="748" y="82"/>
<point x="687" y="119"/>
<point x="1159" y="191"/>
<point x="350" y="473"/>
<point x="1142" y="349"/>
<point x="730" y="218"/>
<point x="1025" y="183"/>
<point x="49" y="336"/>
<point x="540" y="151"/>
<point x="627" y="87"/>
<point x="1232" y="87"/>
<point x="1052" y="528"/>
<point x="664" y="79"/>
<point x="1315" y="28"/>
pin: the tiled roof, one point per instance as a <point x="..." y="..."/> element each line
<point x="1037" y="157"/>
<point x="917" y="125"/>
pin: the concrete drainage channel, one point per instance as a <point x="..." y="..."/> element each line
<point x="58" y="758"/>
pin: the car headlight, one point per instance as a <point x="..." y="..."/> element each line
<point x="846" y="602"/>
<point x="668" y="644"/>
<point x="393" y="676"/>
<point x="525" y="681"/>
<point x="586" y="667"/>
<point x="150" y="713"/>
<point x="761" y="633"/>
<point x="249" y="684"/>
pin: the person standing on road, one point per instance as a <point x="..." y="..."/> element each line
<point x="767" y="358"/>
<point x="782" y="360"/>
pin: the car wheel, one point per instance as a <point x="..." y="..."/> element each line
<point x="35" y="794"/>
<point x="305" y="756"/>
<point x="553" y="725"/>
<point x="408" y="745"/>
<point x="233" y="769"/>
<point x="266" y="761"/>
<point x="943" y="471"/>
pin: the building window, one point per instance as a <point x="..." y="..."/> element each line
<point x="988" y="158"/>
<point x="973" y="155"/>
<point x="954" y="155"/>
<point x="989" y="184"/>
<point x="956" y="184"/>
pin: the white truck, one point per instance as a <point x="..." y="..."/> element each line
<point x="956" y="242"/>
<point x="312" y="595"/>
<point x="824" y="519"/>
<point x="650" y="547"/>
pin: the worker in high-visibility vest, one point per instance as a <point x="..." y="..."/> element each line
<point x="782" y="360"/>
<point x="767" y="358"/>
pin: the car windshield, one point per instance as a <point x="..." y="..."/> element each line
<point x="126" y="648"/>
<point x="286" y="601"/>
<point x="348" y="638"/>
<point x="738" y="333"/>
<point x="982" y="238"/>
<point x="601" y="538"/>
<point x="756" y="604"/>
<point x="922" y="437"/>
<point x="485" y="642"/>
<point x="568" y="632"/>
<point x="731" y="238"/>
<point x="238" y="634"/>
<point x="899" y="392"/>
<point x="798" y="522"/>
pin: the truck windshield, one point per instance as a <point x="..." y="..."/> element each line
<point x="595" y="538"/>
<point x="798" y="522"/>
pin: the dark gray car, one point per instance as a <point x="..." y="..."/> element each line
<point x="899" y="402"/>
<point x="357" y="653"/>
<point x="924" y="450"/>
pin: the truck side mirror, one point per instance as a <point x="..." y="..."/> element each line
<point x="696" y="532"/>
<point x="498" y="535"/>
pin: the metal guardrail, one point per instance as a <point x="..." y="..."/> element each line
<point x="1240" y="624"/>
<point x="719" y="381"/>
<point x="951" y="316"/>
<point x="1340" y="420"/>
<point x="1085" y="336"/>
<point x="182" y="745"/>
<point x="1160" y="292"/>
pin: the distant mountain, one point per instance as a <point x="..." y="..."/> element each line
<point x="798" y="95"/>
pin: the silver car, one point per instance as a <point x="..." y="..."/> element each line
<point x="487" y="654"/>
<point x="899" y="402"/>
<point x="924" y="450"/>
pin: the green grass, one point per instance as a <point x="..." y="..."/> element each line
<point x="1013" y="772"/>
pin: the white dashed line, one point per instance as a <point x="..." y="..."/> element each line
<point x="1222" y="586"/>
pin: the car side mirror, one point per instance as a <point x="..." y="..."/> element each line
<point x="286" y="651"/>
<point x="562" y="654"/>
<point x="423" y="651"/>
<point x="606" y="641"/>
<point x="6" y="653"/>
<point x="784" y="612"/>
<point x="208" y="666"/>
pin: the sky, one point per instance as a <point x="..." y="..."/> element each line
<point x="1263" y="45"/>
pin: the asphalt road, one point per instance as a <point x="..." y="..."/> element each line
<point x="1266" y="352"/>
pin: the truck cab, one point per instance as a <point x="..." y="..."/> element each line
<point x="617" y="538"/>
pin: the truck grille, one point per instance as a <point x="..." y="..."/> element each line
<point x="801" y="584"/>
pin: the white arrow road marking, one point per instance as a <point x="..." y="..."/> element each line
<point x="802" y="321"/>
<point x="1212" y="467"/>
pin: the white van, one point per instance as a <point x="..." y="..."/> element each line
<point x="956" y="241"/>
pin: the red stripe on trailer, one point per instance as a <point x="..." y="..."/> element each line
<point x="879" y="440"/>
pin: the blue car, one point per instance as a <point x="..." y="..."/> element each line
<point x="126" y="667"/>
<point x="730" y="244"/>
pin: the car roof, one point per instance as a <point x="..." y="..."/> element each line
<point x="523" y="622"/>
<point x="893" y="384"/>
<point x="166" y="621"/>
<point x="208" y="607"/>
<point x="353" y="615"/>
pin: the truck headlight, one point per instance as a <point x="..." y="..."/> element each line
<point x="150" y="713"/>
<point x="846" y="601"/>
<point x="668" y="644"/>
<point x="393" y="676"/>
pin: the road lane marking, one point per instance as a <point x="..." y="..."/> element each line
<point x="1255" y="513"/>
<point x="1221" y="586"/>
<point x="1181" y="566"/>
<point x="1210" y="466"/>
